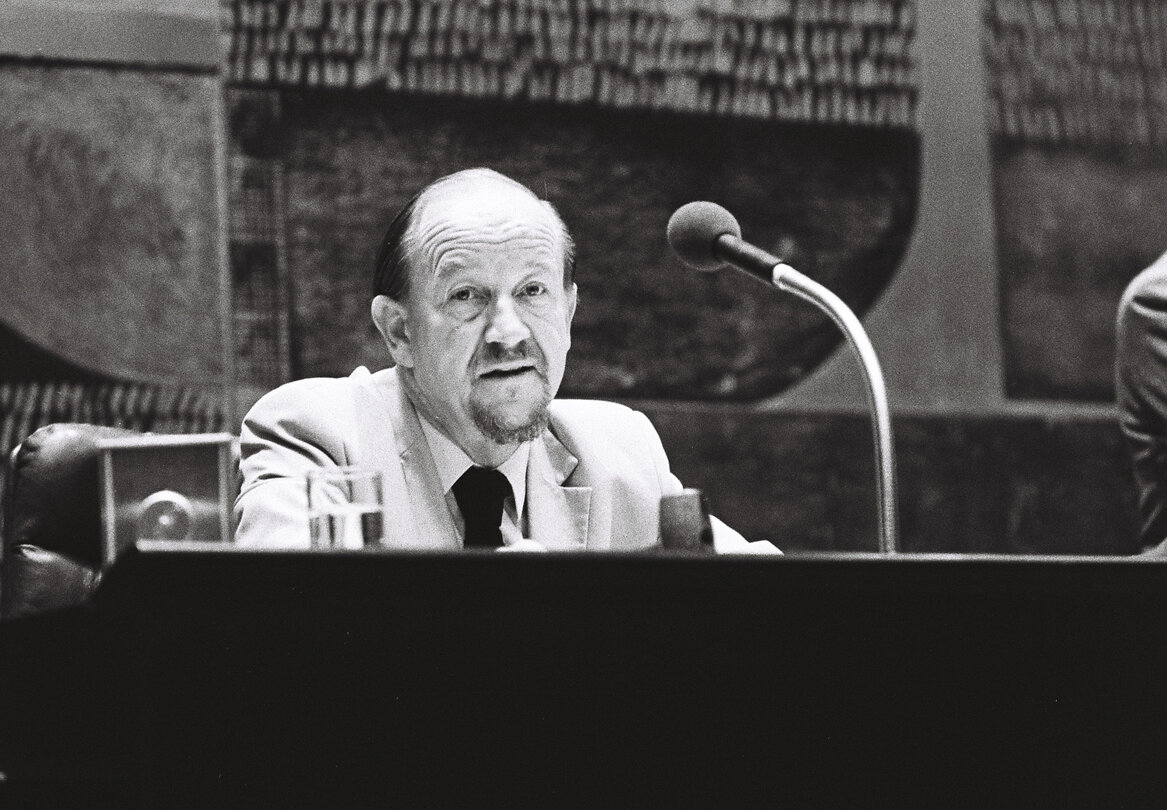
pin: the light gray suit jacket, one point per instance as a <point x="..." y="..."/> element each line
<point x="1141" y="390"/>
<point x="594" y="478"/>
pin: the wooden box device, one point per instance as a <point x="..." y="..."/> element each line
<point x="165" y="487"/>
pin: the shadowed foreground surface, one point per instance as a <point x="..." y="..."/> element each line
<point x="242" y="679"/>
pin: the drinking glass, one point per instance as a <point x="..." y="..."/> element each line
<point x="346" y="507"/>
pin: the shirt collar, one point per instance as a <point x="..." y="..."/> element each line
<point x="451" y="461"/>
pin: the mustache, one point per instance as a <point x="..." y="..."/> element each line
<point x="491" y="354"/>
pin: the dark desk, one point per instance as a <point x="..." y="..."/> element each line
<point x="222" y="677"/>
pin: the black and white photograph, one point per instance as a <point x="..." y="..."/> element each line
<point x="583" y="403"/>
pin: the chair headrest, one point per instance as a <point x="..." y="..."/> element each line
<point x="53" y="500"/>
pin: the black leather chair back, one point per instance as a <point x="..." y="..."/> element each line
<point x="52" y="520"/>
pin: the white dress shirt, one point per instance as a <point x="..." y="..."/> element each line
<point x="451" y="461"/>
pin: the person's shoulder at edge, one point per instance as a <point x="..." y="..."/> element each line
<point x="1139" y="346"/>
<point x="1150" y="283"/>
<point x="1138" y="356"/>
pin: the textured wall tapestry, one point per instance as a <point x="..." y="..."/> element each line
<point x="799" y="116"/>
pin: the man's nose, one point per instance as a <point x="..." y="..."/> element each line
<point x="506" y="327"/>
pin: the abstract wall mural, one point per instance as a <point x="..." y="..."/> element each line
<point x="798" y="116"/>
<point x="108" y="200"/>
<point x="111" y="294"/>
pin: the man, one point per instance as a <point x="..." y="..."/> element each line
<point x="474" y="296"/>
<point x="1141" y="388"/>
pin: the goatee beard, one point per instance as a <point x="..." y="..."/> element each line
<point x="501" y="431"/>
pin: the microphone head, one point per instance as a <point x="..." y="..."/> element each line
<point x="694" y="229"/>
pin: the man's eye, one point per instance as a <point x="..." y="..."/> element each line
<point x="534" y="288"/>
<point x="465" y="294"/>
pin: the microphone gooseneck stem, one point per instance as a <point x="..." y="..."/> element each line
<point x="785" y="277"/>
<point x="696" y="222"/>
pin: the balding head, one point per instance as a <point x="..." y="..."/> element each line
<point x="476" y="197"/>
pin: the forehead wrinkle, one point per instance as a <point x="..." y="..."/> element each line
<point x="448" y="249"/>
<point x="497" y="233"/>
<point x="491" y="207"/>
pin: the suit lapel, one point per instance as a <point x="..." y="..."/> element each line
<point x="417" y="511"/>
<point x="557" y="515"/>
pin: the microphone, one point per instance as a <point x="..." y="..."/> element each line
<point x="707" y="237"/>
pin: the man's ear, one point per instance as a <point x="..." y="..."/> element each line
<point x="572" y="300"/>
<point x="392" y="321"/>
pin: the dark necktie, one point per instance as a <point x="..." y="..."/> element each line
<point x="480" y="494"/>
